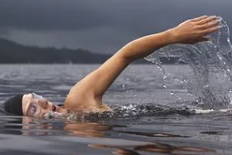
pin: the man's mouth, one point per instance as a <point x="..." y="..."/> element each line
<point x="53" y="108"/>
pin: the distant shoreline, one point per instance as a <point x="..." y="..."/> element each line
<point x="14" y="53"/>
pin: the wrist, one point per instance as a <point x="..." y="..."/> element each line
<point x="171" y="36"/>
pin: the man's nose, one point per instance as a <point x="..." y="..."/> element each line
<point x="44" y="103"/>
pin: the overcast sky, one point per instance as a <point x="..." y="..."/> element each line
<point x="98" y="25"/>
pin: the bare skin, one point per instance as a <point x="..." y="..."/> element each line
<point x="35" y="107"/>
<point x="86" y="95"/>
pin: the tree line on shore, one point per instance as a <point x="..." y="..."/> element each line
<point x="12" y="52"/>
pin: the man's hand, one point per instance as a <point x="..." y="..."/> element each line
<point x="195" y="30"/>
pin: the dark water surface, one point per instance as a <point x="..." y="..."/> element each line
<point x="148" y="119"/>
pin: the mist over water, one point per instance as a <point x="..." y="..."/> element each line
<point x="211" y="64"/>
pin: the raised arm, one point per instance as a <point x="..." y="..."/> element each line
<point x="89" y="90"/>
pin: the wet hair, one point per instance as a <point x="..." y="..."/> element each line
<point x="14" y="105"/>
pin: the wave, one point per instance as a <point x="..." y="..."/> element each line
<point x="211" y="63"/>
<point x="132" y="111"/>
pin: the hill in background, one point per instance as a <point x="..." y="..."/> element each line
<point x="12" y="52"/>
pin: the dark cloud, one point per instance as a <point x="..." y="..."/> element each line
<point x="75" y="14"/>
<point x="48" y="15"/>
<point x="4" y="31"/>
<point x="85" y="21"/>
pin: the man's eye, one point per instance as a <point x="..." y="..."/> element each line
<point x="33" y="109"/>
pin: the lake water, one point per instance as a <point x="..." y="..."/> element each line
<point x="151" y="115"/>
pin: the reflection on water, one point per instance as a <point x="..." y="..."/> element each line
<point x="155" y="147"/>
<point x="36" y="127"/>
<point x="151" y="134"/>
<point x="146" y="117"/>
<point x="87" y="129"/>
<point x="28" y="126"/>
<point x="211" y="132"/>
<point x="39" y="127"/>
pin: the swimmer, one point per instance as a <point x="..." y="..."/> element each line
<point x="86" y="95"/>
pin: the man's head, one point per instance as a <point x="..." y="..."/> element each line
<point x="30" y="105"/>
<point x="14" y="105"/>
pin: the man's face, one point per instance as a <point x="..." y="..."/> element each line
<point x="37" y="106"/>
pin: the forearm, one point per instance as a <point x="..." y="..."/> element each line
<point x="138" y="48"/>
<point x="190" y="32"/>
<point x="90" y="89"/>
<point x="144" y="46"/>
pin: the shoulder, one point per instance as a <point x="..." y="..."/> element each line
<point x="84" y="104"/>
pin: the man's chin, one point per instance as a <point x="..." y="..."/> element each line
<point x="52" y="114"/>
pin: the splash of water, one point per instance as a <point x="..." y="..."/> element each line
<point x="208" y="60"/>
<point x="211" y="63"/>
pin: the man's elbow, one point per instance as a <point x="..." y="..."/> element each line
<point x="124" y="59"/>
<point x="126" y="53"/>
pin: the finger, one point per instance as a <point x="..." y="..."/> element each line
<point x="199" y="18"/>
<point x="211" y="30"/>
<point x="211" y="24"/>
<point x="207" y="20"/>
